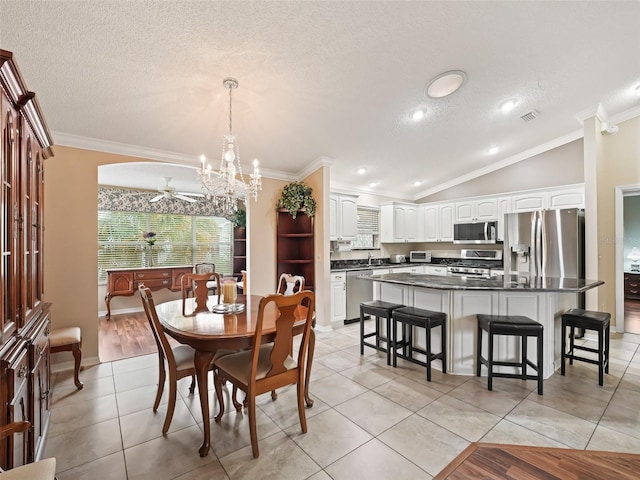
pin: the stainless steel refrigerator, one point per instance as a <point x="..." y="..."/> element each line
<point x="545" y="243"/>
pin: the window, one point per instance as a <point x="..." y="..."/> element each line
<point x="180" y="240"/>
<point x="368" y="227"/>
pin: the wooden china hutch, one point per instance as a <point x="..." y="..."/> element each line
<point x="25" y="320"/>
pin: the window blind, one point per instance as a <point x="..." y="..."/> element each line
<point x="180" y="240"/>
<point x="368" y="228"/>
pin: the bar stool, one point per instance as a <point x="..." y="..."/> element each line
<point x="587" y="320"/>
<point x="513" y="325"/>
<point x="410" y="317"/>
<point x="377" y="308"/>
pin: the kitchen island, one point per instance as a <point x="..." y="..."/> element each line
<point x="542" y="299"/>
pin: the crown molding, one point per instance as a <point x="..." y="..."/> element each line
<point x="626" y="115"/>
<point x="313" y="166"/>
<point x="355" y="189"/>
<point x="105" y="146"/>
<point x="555" y="143"/>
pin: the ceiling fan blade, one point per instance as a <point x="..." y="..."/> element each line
<point x="157" y="198"/>
<point x="189" y="194"/>
<point x="182" y="197"/>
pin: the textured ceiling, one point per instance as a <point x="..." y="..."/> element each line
<point x="325" y="79"/>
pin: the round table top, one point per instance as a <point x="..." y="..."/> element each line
<point x="212" y="331"/>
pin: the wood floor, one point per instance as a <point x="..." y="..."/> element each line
<point x="124" y="336"/>
<point x="490" y="461"/>
<point x="632" y="316"/>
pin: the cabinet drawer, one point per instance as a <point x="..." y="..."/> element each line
<point x="151" y="274"/>
<point x="154" y="283"/>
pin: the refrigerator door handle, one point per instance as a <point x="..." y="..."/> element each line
<point x="486" y="231"/>
<point x="533" y="253"/>
<point x="543" y="243"/>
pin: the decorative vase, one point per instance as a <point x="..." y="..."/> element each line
<point x="148" y="256"/>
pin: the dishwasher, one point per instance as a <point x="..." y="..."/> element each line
<point x="358" y="291"/>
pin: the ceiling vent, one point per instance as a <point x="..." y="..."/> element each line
<point x="532" y="115"/>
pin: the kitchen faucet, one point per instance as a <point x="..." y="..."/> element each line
<point x="369" y="258"/>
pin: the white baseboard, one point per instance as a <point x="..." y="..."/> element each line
<point x="64" y="366"/>
<point x="323" y="328"/>
<point x="102" y="313"/>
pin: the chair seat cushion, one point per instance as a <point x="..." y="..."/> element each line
<point x="512" y="322"/>
<point x="65" y="336"/>
<point x="42" y="470"/>
<point x="379" y="307"/>
<point x="184" y="355"/>
<point x="239" y="364"/>
<point x="586" y="318"/>
<point x="418" y="313"/>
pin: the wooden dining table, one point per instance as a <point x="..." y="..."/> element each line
<point x="207" y="332"/>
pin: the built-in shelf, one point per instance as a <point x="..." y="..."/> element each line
<point x="295" y="249"/>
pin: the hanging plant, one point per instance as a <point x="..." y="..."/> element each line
<point x="295" y="197"/>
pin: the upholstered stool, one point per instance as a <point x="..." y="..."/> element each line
<point x="410" y="317"/>
<point x="68" y="340"/>
<point x="587" y="320"/>
<point x="512" y="325"/>
<point x="377" y="308"/>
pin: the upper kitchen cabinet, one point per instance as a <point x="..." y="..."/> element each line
<point x="529" y="201"/>
<point x="477" y="210"/>
<point x="398" y="223"/>
<point x="568" y="198"/>
<point x="343" y="217"/>
<point x="436" y="222"/>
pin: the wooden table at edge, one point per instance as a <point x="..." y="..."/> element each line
<point x="208" y="332"/>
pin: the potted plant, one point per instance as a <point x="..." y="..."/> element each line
<point x="297" y="197"/>
<point x="239" y="218"/>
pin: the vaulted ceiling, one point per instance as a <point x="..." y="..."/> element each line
<point x="327" y="80"/>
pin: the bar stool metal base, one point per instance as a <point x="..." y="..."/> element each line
<point x="512" y="325"/>
<point x="378" y="309"/>
<point x="410" y="317"/>
<point x="586" y="320"/>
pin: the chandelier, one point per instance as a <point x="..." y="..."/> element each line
<point x="227" y="186"/>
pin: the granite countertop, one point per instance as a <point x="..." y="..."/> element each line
<point x="508" y="282"/>
<point x="364" y="266"/>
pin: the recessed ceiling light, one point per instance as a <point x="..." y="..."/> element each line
<point x="373" y="184"/>
<point x="417" y="115"/>
<point x="445" y="84"/>
<point x="493" y="150"/>
<point x="417" y="183"/>
<point x="362" y="171"/>
<point x="509" y="105"/>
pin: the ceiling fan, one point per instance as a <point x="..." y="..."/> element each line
<point x="170" y="192"/>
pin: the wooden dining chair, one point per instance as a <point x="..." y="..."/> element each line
<point x="41" y="470"/>
<point x="202" y="268"/>
<point x="199" y="285"/>
<point x="290" y="284"/>
<point x="266" y="367"/>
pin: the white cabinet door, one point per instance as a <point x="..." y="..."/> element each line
<point x="487" y="209"/>
<point x="435" y="270"/>
<point x="333" y="217"/>
<point x="476" y="210"/>
<point x="573" y="198"/>
<point x="338" y="297"/>
<point x="343" y="217"/>
<point x="504" y="207"/>
<point x="528" y="202"/>
<point x="446" y="223"/>
<point x="398" y="223"/>
<point x="430" y="224"/>
<point x="465" y="211"/>
<point x="411" y="223"/>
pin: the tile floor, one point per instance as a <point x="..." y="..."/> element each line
<point x="368" y="421"/>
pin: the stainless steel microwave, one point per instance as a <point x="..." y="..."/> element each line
<point x="475" y="233"/>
